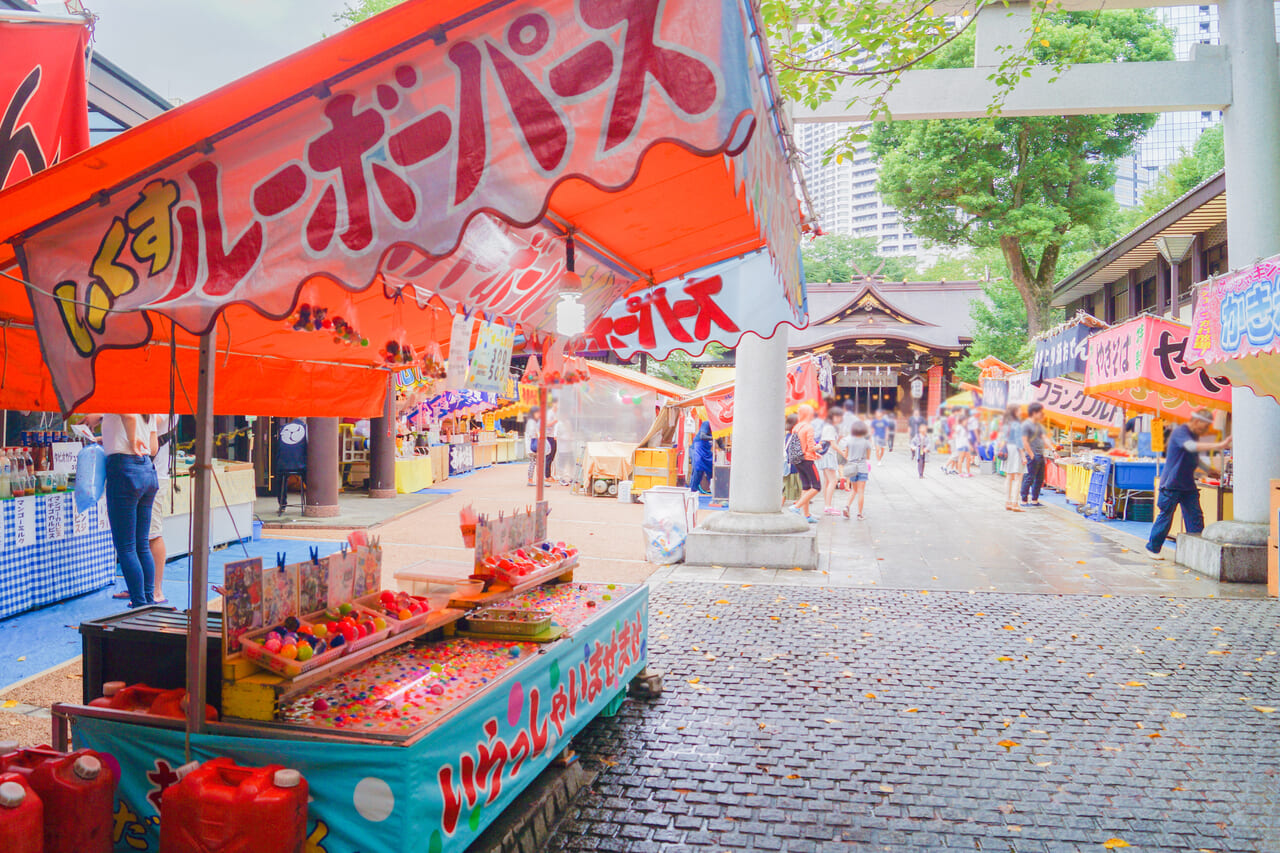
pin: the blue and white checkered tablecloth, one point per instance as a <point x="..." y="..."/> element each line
<point x="47" y="570"/>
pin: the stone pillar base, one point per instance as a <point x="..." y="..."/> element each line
<point x="778" y="540"/>
<point x="320" y="511"/>
<point x="382" y="494"/>
<point x="1228" y="551"/>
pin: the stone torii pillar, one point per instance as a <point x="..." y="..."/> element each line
<point x="755" y="532"/>
<point x="1241" y="77"/>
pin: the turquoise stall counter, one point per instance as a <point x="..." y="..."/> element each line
<point x="395" y="784"/>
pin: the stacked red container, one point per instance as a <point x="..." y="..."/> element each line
<point x="140" y="698"/>
<point x="21" y="816"/>
<point x="78" y="791"/>
<point x="220" y="807"/>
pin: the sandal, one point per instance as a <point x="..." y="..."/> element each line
<point x="121" y="596"/>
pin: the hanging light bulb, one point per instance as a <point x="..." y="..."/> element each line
<point x="571" y="315"/>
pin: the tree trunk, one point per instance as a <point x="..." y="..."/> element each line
<point x="1024" y="280"/>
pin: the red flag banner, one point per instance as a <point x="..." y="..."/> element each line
<point x="42" y="87"/>
<point x="802" y="389"/>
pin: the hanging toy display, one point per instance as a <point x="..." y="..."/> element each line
<point x="431" y="363"/>
<point x="310" y="317"/>
<point x="397" y="353"/>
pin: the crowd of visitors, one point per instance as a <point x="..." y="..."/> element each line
<point x="834" y="449"/>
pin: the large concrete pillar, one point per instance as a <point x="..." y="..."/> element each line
<point x="1251" y="130"/>
<point x="759" y="399"/>
<point x="322" y="468"/>
<point x="1237" y="550"/>
<point x="755" y="531"/>
<point x="382" y="450"/>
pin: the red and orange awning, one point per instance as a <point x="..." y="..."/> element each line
<point x="431" y="159"/>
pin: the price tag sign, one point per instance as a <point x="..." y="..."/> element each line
<point x="65" y="454"/>
<point x="491" y="359"/>
<point x="103" y="523"/>
<point x="459" y="353"/>
<point x="80" y="526"/>
<point x="55" y="519"/>
<point x="24" y="522"/>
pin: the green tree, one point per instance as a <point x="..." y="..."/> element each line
<point x="354" y="13"/>
<point x="999" y="329"/>
<point x="680" y="369"/>
<point x="1036" y="188"/>
<point x="1204" y="161"/>
<point x="839" y="257"/>
<point x="818" y="45"/>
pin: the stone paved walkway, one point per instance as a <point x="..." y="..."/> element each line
<point x="828" y="718"/>
<point x="948" y="532"/>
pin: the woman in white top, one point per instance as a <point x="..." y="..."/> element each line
<point x="532" y="422"/>
<point x="130" y="442"/>
<point x="829" y="463"/>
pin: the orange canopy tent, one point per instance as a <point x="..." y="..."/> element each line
<point x="699" y="180"/>
<point x="440" y="152"/>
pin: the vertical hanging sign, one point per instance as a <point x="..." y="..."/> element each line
<point x="459" y="353"/>
<point x="491" y="359"/>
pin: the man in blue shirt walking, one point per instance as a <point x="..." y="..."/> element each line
<point x="702" y="456"/>
<point x="1177" y="481"/>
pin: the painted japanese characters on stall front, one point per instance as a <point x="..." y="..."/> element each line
<point x="398" y="160"/>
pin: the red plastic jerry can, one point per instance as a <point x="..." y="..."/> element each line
<point x="78" y="791"/>
<point x="173" y="703"/>
<point x="135" y="697"/>
<point x="220" y="807"/>
<point x="21" y="816"/>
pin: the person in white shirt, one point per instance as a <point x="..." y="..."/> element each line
<point x="531" y="426"/>
<point x="163" y="441"/>
<point x="129" y="441"/>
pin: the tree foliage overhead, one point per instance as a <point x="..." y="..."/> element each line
<point x="999" y="329"/>
<point x="840" y="257"/>
<point x="1205" y="160"/>
<point x="355" y="12"/>
<point x="1033" y="187"/>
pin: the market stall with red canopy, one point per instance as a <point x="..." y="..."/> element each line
<point x="1141" y="365"/>
<point x="443" y="156"/>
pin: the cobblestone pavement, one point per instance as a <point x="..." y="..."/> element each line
<point x="823" y="719"/>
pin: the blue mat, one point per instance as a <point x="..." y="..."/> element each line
<point x="437" y="491"/>
<point x="704" y="502"/>
<point x="37" y="640"/>
<point x="1140" y="529"/>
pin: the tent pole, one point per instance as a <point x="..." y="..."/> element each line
<point x="198" y="613"/>
<point x="540" y="461"/>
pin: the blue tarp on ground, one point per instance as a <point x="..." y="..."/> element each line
<point x="37" y="640"/>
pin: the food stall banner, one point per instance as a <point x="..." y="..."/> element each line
<point x="995" y="394"/>
<point x="42" y="87"/>
<point x="435" y="795"/>
<point x="1062" y="354"/>
<point x="1235" y="331"/>
<point x="400" y="156"/>
<point x="1019" y="393"/>
<point x="1141" y="364"/>
<point x="1066" y="403"/>
<point x="802" y="388"/>
<point x="718" y="304"/>
<point x="490" y="365"/>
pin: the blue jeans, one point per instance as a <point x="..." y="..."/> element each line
<point x="1171" y="499"/>
<point x="131" y="493"/>
<point x="1033" y="479"/>
<point x="701" y="469"/>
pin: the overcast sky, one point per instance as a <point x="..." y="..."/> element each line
<point x="185" y="48"/>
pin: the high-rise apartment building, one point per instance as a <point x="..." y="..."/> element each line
<point x="844" y="194"/>
<point x="1174" y="134"/>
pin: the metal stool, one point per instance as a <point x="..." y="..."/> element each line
<point x="301" y="477"/>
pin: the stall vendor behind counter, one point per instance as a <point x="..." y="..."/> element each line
<point x="1177" y="482"/>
